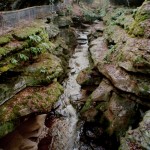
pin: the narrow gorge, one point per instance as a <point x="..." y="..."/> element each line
<point x="76" y="78"/>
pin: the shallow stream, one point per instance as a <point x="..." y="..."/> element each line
<point x="64" y="130"/>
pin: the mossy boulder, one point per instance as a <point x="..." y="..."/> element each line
<point x="8" y="88"/>
<point x="44" y="70"/>
<point x="5" y="39"/>
<point x="23" y="34"/>
<point x="120" y="114"/>
<point x="30" y="100"/>
<point x="99" y="98"/>
<point x="138" y="138"/>
<point x="25" y="46"/>
<point x="88" y="76"/>
<point x="52" y="30"/>
<point x="140" y="27"/>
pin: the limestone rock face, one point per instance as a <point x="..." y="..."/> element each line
<point x="125" y="57"/>
<point x="44" y="70"/>
<point x="120" y="114"/>
<point x="30" y="100"/>
<point x="138" y="138"/>
<point x="52" y="30"/>
<point x="88" y="77"/>
<point x="118" y="111"/>
<point x="121" y="55"/>
<point x="27" y="61"/>
<point x="21" y="138"/>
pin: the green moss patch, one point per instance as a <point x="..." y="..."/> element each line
<point x="24" y="33"/>
<point x="32" y="99"/>
<point x="5" y="39"/>
<point x="6" y="128"/>
<point x="44" y="70"/>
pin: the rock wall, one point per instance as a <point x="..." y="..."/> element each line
<point x="33" y="62"/>
<point x="119" y="48"/>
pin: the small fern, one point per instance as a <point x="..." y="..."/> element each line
<point x="23" y="57"/>
<point x="14" y="61"/>
<point x="35" y="38"/>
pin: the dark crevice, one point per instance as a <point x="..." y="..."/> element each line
<point x="93" y="134"/>
<point x="6" y="77"/>
<point x="128" y="2"/>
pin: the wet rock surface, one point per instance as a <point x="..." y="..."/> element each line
<point x="93" y="136"/>
<point x="123" y="62"/>
<point x="107" y="82"/>
<point x="27" y="135"/>
<point x="34" y="64"/>
<point x="138" y="138"/>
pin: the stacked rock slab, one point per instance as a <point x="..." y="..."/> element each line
<point x="121" y="55"/>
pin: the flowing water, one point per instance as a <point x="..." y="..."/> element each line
<point x="64" y="131"/>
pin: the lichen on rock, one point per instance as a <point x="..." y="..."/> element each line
<point x="140" y="27"/>
<point x="138" y="138"/>
<point x="30" y="100"/>
<point x="44" y="70"/>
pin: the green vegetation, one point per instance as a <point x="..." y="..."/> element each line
<point x="5" y="39"/>
<point x="35" y="50"/>
<point x="24" y="33"/>
<point x="112" y="49"/>
<point x="69" y="10"/>
<point x="89" y="15"/>
<point x="6" y="128"/>
<point x="138" y="27"/>
<point x="23" y="57"/>
<point x="14" y="61"/>
<point x="34" y="39"/>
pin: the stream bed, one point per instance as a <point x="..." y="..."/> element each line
<point x="64" y="131"/>
<point x="63" y="128"/>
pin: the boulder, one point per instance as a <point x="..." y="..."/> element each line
<point x="98" y="100"/>
<point x="103" y="92"/>
<point x="141" y="25"/>
<point x="98" y="49"/>
<point x="21" y="138"/>
<point x="10" y="88"/>
<point x="29" y="100"/>
<point x="88" y="77"/>
<point x="52" y="30"/>
<point x="120" y="114"/>
<point x="44" y="70"/>
<point x="138" y="138"/>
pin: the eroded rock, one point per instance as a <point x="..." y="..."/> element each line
<point x="21" y="138"/>
<point x="89" y="77"/>
<point x="44" y="70"/>
<point x="30" y="100"/>
<point x="138" y="138"/>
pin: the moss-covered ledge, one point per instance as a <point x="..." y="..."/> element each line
<point x="30" y="100"/>
<point x="26" y="55"/>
